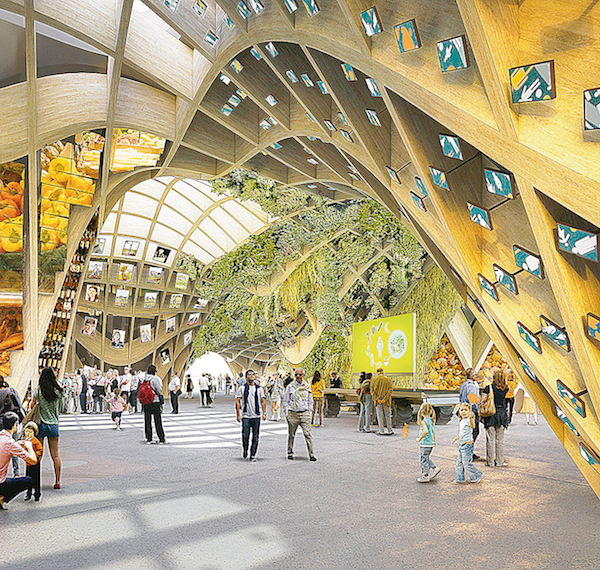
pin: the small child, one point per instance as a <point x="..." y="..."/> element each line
<point x="464" y="461"/>
<point x="426" y="419"/>
<point x="117" y="405"/>
<point x="33" y="466"/>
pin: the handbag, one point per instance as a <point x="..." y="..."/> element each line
<point x="33" y="415"/>
<point x="487" y="407"/>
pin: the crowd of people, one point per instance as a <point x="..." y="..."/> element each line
<point x="301" y="401"/>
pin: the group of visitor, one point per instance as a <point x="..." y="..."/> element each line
<point x="298" y="406"/>
<point x="375" y="392"/>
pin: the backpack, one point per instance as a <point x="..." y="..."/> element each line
<point x="145" y="393"/>
<point x="8" y="403"/>
<point x="487" y="407"/>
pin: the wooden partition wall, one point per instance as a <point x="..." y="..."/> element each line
<point x="476" y="121"/>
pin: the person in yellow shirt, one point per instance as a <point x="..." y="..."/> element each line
<point x="317" y="386"/>
<point x="381" y="392"/>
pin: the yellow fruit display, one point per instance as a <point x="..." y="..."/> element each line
<point x="444" y="371"/>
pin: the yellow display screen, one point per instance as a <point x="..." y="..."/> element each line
<point x="387" y="343"/>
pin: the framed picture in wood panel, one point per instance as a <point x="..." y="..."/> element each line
<point x="407" y="36"/>
<point x="453" y="54"/>
<point x="574" y="400"/>
<point x="499" y="183"/>
<point x="558" y="335"/>
<point x="527" y="369"/>
<point x="529" y="337"/>
<point x="451" y="146"/>
<point x="533" y="82"/>
<point x="488" y="287"/>
<point x="565" y="420"/>
<point x="480" y="216"/>
<point x="529" y="261"/>
<point x="589" y="455"/>
<point x="577" y="241"/>
<point x="592" y="326"/>
<point x="506" y="279"/>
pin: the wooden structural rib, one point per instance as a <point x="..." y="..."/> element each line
<point x="334" y="78"/>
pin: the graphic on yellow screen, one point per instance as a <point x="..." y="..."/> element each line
<point x="387" y="343"/>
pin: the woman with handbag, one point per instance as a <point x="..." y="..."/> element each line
<point x="49" y="395"/>
<point x="494" y="413"/>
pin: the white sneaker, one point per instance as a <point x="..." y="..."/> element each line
<point x="435" y="473"/>
<point x="423" y="479"/>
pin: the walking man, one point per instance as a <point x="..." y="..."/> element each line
<point x="247" y="409"/>
<point x="298" y="407"/>
<point x="381" y="392"/>
<point x="149" y="395"/>
<point x="174" y="392"/>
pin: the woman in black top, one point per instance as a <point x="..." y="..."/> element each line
<point x="496" y="423"/>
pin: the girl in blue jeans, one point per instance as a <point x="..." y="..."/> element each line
<point x="464" y="461"/>
<point x="426" y="419"/>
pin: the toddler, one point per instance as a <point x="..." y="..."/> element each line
<point x="426" y="419"/>
<point x="465" y="446"/>
<point x="33" y="465"/>
<point x="117" y="405"/>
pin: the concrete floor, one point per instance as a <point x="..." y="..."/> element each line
<point x="188" y="505"/>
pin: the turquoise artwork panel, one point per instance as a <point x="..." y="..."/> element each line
<point x="579" y="242"/>
<point x="347" y="135"/>
<point x="311" y="7"/>
<point x="230" y="23"/>
<point x="480" y="216"/>
<point x="373" y="118"/>
<point x="172" y="4"/>
<point x="241" y="94"/>
<point x="323" y="87"/>
<point x="211" y="38"/>
<point x="256" y="5"/>
<point x="452" y="54"/>
<point x="373" y="89"/>
<point x="589" y="456"/>
<point x="565" y="420"/>
<point x="348" y="72"/>
<point x="438" y="177"/>
<point x="276" y="146"/>
<point x="531" y="339"/>
<point x="311" y="118"/>
<point x="270" y="47"/>
<point x="421" y="186"/>
<point x="291" y="5"/>
<point x="370" y="22"/>
<point x="313" y="161"/>
<point x="505" y="279"/>
<point x="199" y="7"/>
<point x="392" y="174"/>
<point x="498" y="183"/>
<point x="407" y="36"/>
<point x="591" y="109"/>
<point x="451" y="147"/>
<point x="236" y="66"/>
<point x="532" y="82"/>
<point x="224" y="79"/>
<point x="307" y="80"/>
<point x="527" y="369"/>
<point x="556" y="334"/>
<point x="330" y="125"/>
<point x="234" y="101"/>
<point x="226" y="110"/>
<point x="574" y="401"/>
<point x="264" y="124"/>
<point x="343" y="118"/>
<point x="488" y="287"/>
<point x="592" y="326"/>
<point x="529" y="262"/>
<point x="291" y="76"/>
<point x="243" y="10"/>
<point x="256" y="54"/>
<point x="271" y="100"/>
<point x="419" y="202"/>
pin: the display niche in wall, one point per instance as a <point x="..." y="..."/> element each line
<point x="534" y="82"/>
<point x="451" y="146"/>
<point x="488" y="287"/>
<point x="480" y="216"/>
<point x="592" y="326"/>
<point x="590" y="456"/>
<point x="506" y="279"/>
<point x="565" y="420"/>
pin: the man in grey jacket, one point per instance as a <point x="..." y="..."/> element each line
<point x="297" y="407"/>
<point x="153" y="410"/>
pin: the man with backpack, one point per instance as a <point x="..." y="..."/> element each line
<point x="149" y="395"/>
<point x="249" y="400"/>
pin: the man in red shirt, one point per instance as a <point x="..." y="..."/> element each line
<point x="10" y="488"/>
